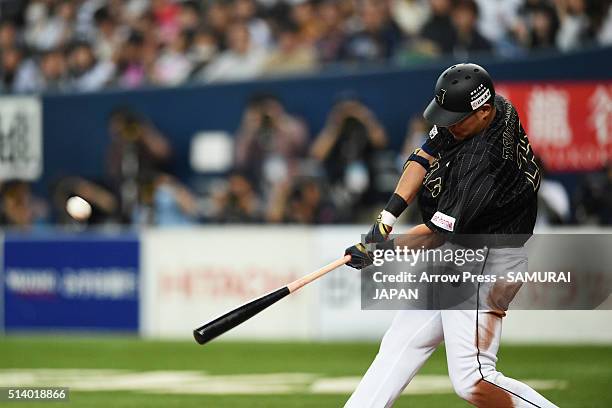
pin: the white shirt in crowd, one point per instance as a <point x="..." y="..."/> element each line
<point x="230" y="65"/>
<point x="497" y="17"/>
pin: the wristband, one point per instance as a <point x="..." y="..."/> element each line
<point x="395" y="207"/>
<point x="387" y="218"/>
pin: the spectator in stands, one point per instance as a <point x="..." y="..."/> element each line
<point x="377" y="39"/>
<point x="237" y="201"/>
<point x="108" y="37"/>
<point x="467" y="37"/>
<point x="439" y="28"/>
<point x="87" y="73"/>
<point x="11" y="60"/>
<point x="172" y="203"/>
<point x="410" y="15"/>
<point x="291" y="55"/>
<point x="245" y="11"/>
<point x="151" y="48"/>
<point x="52" y="76"/>
<point x="8" y="35"/>
<point x="332" y="31"/>
<point x="217" y="19"/>
<point x="131" y="68"/>
<point x="166" y="16"/>
<point x="594" y="198"/>
<point x="138" y="153"/>
<point x="178" y="38"/>
<point x="189" y="16"/>
<point x="242" y="59"/>
<point x="575" y="25"/>
<point x="497" y="19"/>
<point x="603" y="24"/>
<point x="304" y="16"/>
<point x="162" y="201"/>
<point x="347" y="148"/>
<point x="49" y="24"/>
<point x="203" y="48"/>
<point x="301" y="201"/>
<point x="19" y="74"/>
<point x="173" y="65"/>
<point x="19" y="207"/>
<point x="270" y="141"/>
<point x="537" y="25"/>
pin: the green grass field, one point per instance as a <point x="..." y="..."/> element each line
<point x="584" y="371"/>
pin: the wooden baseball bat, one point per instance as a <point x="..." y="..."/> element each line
<point x="239" y="315"/>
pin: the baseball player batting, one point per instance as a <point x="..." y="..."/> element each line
<point x="475" y="174"/>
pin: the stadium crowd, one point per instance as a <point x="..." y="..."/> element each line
<point x="84" y="45"/>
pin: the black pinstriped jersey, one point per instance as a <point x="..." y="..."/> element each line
<point x="487" y="184"/>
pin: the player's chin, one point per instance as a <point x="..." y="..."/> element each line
<point x="459" y="134"/>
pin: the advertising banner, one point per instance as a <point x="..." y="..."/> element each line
<point x="192" y="276"/>
<point x="71" y="282"/>
<point x="20" y="138"/>
<point x="569" y="124"/>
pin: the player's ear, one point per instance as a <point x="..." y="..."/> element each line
<point x="484" y="111"/>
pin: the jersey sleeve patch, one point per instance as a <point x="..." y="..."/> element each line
<point x="433" y="132"/>
<point x="443" y="221"/>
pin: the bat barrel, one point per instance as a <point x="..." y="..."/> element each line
<point x="233" y="318"/>
<point x="199" y="338"/>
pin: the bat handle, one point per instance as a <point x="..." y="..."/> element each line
<point x="305" y="280"/>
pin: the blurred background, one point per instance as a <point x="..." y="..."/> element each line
<point x="163" y="160"/>
<point x="275" y="111"/>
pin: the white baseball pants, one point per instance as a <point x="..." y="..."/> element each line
<point x="472" y="340"/>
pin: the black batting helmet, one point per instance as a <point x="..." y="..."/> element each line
<point x="460" y="90"/>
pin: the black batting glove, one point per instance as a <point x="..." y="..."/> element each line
<point x="378" y="233"/>
<point x="360" y="257"/>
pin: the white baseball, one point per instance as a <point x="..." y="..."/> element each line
<point x="78" y="208"/>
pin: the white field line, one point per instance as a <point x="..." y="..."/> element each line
<point x="198" y="382"/>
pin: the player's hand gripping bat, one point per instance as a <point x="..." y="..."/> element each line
<point x="233" y="318"/>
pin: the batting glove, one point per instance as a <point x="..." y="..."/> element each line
<point x="384" y="223"/>
<point x="360" y="257"/>
<point x="378" y="233"/>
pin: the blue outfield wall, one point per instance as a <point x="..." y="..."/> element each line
<point x="59" y="281"/>
<point x="75" y="125"/>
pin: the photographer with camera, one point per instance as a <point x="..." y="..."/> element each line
<point x="350" y="148"/>
<point x="270" y="141"/>
<point x="137" y="155"/>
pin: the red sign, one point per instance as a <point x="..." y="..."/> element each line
<point x="569" y="124"/>
<point x="222" y="282"/>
